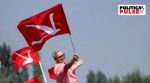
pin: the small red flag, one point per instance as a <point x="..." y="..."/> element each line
<point x="43" y="26"/>
<point x="24" y="57"/>
<point x="51" y="73"/>
<point x="35" y="79"/>
<point x="0" y="58"/>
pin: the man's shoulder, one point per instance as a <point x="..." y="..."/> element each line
<point x="58" y="68"/>
<point x="59" y="64"/>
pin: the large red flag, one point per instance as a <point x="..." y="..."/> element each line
<point x="43" y="26"/>
<point x="24" y="57"/>
<point x="35" y="79"/>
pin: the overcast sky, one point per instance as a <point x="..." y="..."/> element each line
<point x="107" y="42"/>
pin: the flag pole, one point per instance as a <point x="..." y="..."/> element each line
<point x="72" y="43"/>
<point x="42" y="71"/>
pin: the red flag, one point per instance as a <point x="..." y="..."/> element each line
<point x="35" y="79"/>
<point x="43" y="26"/>
<point x="51" y="73"/>
<point x="0" y="58"/>
<point x="24" y="57"/>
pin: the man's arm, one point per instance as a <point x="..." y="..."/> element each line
<point x="71" y="62"/>
<point x="77" y="64"/>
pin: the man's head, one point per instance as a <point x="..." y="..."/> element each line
<point x="58" y="56"/>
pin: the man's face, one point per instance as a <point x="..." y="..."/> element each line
<point x="59" y="57"/>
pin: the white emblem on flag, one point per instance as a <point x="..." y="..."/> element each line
<point x="46" y="29"/>
<point x="27" y="59"/>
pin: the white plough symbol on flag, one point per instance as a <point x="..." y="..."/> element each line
<point x="27" y="59"/>
<point x="46" y="29"/>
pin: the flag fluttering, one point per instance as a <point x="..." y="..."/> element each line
<point x="24" y="56"/>
<point x="43" y="26"/>
<point x="35" y="79"/>
<point x="51" y="73"/>
<point x="0" y="58"/>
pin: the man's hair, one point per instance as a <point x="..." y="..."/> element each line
<point x="55" y="52"/>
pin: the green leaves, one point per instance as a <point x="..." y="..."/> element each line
<point x="134" y="77"/>
<point x="8" y="73"/>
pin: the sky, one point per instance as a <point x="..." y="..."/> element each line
<point x="105" y="41"/>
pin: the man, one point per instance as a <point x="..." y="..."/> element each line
<point x="65" y="72"/>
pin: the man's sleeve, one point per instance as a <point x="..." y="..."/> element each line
<point x="77" y="64"/>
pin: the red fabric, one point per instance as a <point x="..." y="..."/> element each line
<point x="43" y="19"/>
<point x="35" y="79"/>
<point x="51" y="73"/>
<point x="0" y="58"/>
<point x="27" y="52"/>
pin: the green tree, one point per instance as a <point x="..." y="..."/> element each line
<point x="5" y="54"/>
<point x="146" y="79"/>
<point x="110" y="80"/>
<point x="116" y="79"/>
<point x="100" y="77"/>
<point x="91" y="77"/>
<point x="8" y="73"/>
<point x="37" y="70"/>
<point x="134" y="77"/>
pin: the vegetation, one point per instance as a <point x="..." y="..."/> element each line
<point x="37" y="71"/>
<point x="133" y="77"/>
<point x="8" y="74"/>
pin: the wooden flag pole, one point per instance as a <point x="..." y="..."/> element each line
<point x="72" y="43"/>
<point x="42" y="71"/>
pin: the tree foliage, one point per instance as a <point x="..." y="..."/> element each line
<point x="134" y="77"/>
<point x="100" y="77"/>
<point x="37" y="70"/>
<point x="91" y="77"/>
<point x="8" y="74"/>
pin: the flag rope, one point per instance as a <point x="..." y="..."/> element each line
<point x="42" y="71"/>
<point x="72" y="43"/>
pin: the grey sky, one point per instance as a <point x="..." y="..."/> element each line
<point x="107" y="42"/>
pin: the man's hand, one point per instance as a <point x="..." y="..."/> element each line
<point x="71" y="62"/>
<point x="75" y="57"/>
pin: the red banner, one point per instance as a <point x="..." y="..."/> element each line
<point x="43" y="26"/>
<point x="24" y="57"/>
<point x="35" y="79"/>
<point x="51" y="73"/>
